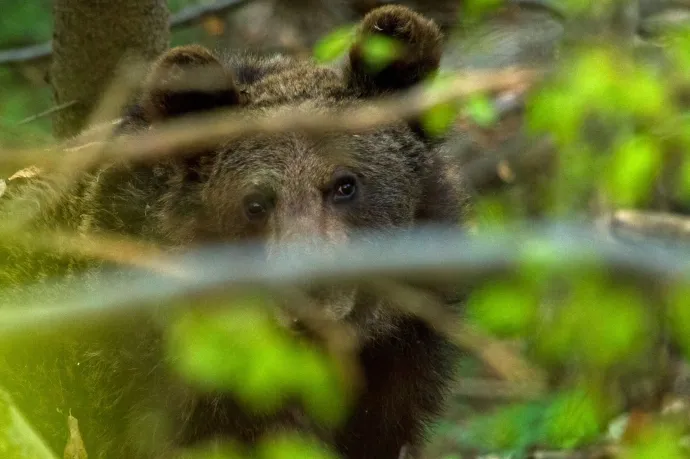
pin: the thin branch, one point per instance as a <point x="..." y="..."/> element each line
<point x="425" y="255"/>
<point x="179" y="135"/>
<point x="47" y="112"/>
<point x="183" y="18"/>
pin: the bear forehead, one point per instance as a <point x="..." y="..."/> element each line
<point x="296" y="153"/>
<point x="302" y="81"/>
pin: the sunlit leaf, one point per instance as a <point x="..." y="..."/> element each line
<point x="683" y="188"/>
<point x="635" y="166"/>
<point x="659" y="442"/>
<point x="241" y="350"/>
<point x="223" y="450"/>
<point x="334" y="44"/>
<point x="573" y="419"/>
<point x="293" y="447"/>
<point x="504" y="308"/>
<point x="438" y="120"/>
<point x="474" y="9"/>
<point x="644" y="94"/>
<point x="380" y="50"/>
<point x="481" y="110"/>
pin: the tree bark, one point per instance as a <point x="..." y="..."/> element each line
<point x="90" y="39"/>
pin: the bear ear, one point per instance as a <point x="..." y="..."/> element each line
<point x="419" y="55"/>
<point x="185" y="80"/>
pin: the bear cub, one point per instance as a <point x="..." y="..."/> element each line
<point x="271" y="189"/>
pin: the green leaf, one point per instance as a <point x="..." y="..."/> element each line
<point x="380" y="50"/>
<point x="334" y="44"/>
<point x="683" y="188"/>
<point x="481" y="110"/>
<point x="574" y="419"/>
<point x="505" y="308"/>
<point x="474" y="10"/>
<point x="293" y="447"/>
<point x="635" y="166"/>
<point x="679" y="312"/>
<point x="438" y="119"/>
<point x="242" y="350"/>
<point x="660" y="442"/>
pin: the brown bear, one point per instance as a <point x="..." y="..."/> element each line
<point x="268" y="188"/>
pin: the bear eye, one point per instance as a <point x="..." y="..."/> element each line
<point x="344" y="188"/>
<point x="256" y="207"/>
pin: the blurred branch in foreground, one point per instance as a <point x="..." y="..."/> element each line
<point x="17" y="437"/>
<point x="177" y="136"/>
<point x="430" y="255"/>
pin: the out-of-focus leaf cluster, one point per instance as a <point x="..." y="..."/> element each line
<point x="239" y="348"/>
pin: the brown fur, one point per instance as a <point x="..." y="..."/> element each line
<point x="400" y="180"/>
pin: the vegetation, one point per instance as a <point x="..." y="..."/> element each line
<point x="574" y="342"/>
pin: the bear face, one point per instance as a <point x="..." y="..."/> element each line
<point x="317" y="190"/>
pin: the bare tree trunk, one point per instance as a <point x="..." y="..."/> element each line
<point x="89" y="40"/>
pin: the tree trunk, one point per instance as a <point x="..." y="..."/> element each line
<point x="89" y="40"/>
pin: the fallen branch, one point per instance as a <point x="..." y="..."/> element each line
<point x="182" y="18"/>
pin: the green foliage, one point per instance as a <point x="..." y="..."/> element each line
<point x="510" y="430"/>
<point x="590" y="7"/>
<point x="334" y="44"/>
<point x="261" y="368"/>
<point x="379" y="50"/>
<point x="566" y="420"/>
<point x="276" y="446"/>
<point x="481" y="110"/>
<point x="293" y="447"/>
<point x="506" y="308"/>
<point x="635" y="165"/>
<point x="438" y="119"/>
<point x="659" y="441"/>
<point x="573" y="419"/>
<point x="474" y="10"/>
<point x="18" y="440"/>
<point x="25" y="23"/>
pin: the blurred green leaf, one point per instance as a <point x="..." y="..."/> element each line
<point x="379" y="50"/>
<point x="260" y="369"/>
<point x="635" y="165"/>
<point x="512" y="428"/>
<point x="659" y="441"/>
<point x="573" y="419"/>
<point x="293" y="447"/>
<point x="481" y="110"/>
<point x="224" y="450"/>
<point x="684" y="178"/>
<point x="679" y="315"/>
<point x="505" y="308"/>
<point x="578" y="328"/>
<point x="474" y="10"/>
<point x="438" y="119"/>
<point x="334" y="44"/>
